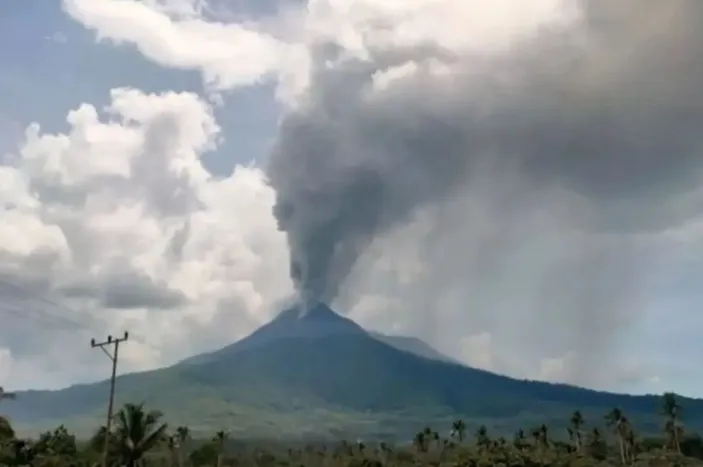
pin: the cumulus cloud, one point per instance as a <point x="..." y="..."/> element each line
<point x="116" y="225"/>
<point x="173" y="34"/>
<point x="445" y="168"/>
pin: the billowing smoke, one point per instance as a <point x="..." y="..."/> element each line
<point x="607" y="108"/>
<point x="345" y="170"/>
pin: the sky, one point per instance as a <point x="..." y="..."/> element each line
<point x="537" y="167"/>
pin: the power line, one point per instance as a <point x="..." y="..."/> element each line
<point x="20" y="304"/>
<point x="27" y="296"/>
<point x="21" y="311"/>
<point x="115" y="343"/>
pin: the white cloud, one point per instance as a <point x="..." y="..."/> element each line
<point x="177" y="34"/>
<point x="477" y="351"/>
<point x="130" y="226"/>
<point x="480" y="351"/>
<point x="555" y="368"/>
<point x="566" y="369"/>
<point x="172" y="34"/>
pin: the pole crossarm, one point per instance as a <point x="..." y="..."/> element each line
<point x="110" y="341"/>
<point x="115" y="344"/>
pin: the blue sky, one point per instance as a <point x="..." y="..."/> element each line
<point x="54" y="64"/>
<point x="233" y="268"/>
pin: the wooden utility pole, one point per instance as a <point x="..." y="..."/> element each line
<point x="113" y="357"/>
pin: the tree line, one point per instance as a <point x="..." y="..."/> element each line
<point x="140" y="437"/>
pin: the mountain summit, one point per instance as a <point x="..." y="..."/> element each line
<point x="315" y="322"/>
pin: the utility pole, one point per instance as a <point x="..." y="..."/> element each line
<point x="113" y="357"/>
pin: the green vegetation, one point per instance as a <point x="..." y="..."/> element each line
<point x="139" y="437"/>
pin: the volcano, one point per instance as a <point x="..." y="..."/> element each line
<point x="293" y="323"/>
<point x="317" y="374"/>
<point x="313" y="323"/>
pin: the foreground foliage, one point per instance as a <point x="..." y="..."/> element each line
<point x="140" y="438"/>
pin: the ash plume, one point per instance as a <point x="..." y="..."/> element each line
<point x="606" y="110"/>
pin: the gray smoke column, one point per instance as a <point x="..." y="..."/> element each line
<point x="609" y="108"/>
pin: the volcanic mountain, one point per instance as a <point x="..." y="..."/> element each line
<point x="320" y="374"/>
<point x="317" y="322"/>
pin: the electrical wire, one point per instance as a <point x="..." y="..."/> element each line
<point x="20" y="302"/>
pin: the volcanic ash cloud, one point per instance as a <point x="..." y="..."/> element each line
<point x="591" y="107"/>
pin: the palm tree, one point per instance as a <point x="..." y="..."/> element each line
<point x="420" y="441"/>
<point x="544" y="434"/>
<point x="616" y="420"/>
<point x="671" y="411"/>
<point x="572" y="437"/>
<point x="519" y="440"/>
<point x="482" y="438"/>
<point x="597" y="448"/>
<point x="428" y="436"/>
<point x="576" y="423"/>
<point x="459" y="429"/>
<point x="182" y="436"/>
<point x="136" y="433"/>
<point x="595" y="436"/>
<point x="628" y="435"/>
<point x="436" y="439"/>
<point x="361" y="446"/>
<point x="173" y="449"/>
<point x="220" y="438"/>
<point x="541" y="437"/>
<point x="385" y="451"/>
